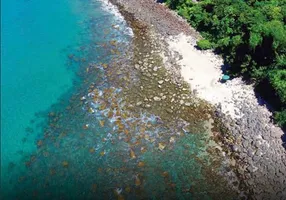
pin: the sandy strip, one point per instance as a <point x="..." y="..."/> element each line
<point x="257" y="140"/>
<point x="202" y="70"/>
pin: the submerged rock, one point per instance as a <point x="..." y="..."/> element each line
<point x="161" y="146"/>
<point x="172" y="140"/>
<point x="65" y="164"/>
<point x="132" y="154"/>
<point x="141" y="164"/>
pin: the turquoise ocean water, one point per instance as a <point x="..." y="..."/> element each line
<point x="37" y="38"/>
<point x="33" y="72"/>
<point x="65" y="130"/>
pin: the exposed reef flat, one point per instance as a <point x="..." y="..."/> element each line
<point x="250" y="141"/>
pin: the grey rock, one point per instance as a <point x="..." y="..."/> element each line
<point x="251" y="169"/>
<point x="250" y="152"/>
<point x="255" y="158"/>
<point x="257" y="143"/>
<point x="235" y="148"/>
<point x="246" y="137"/>
<point x="245" y="143"/>
<point x="259" y="153"/>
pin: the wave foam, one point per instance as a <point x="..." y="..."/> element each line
<point x="119" y="19"/>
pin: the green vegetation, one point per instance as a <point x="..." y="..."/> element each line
<point x="281" y="117"/>
<point x="251" y="36"/>
<point x="204" y="44"/>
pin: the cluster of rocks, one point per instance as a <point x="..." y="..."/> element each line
<point x="160" y="88"/>
<point x="158" y="16"/>
<point x="259" y="157"/>
<point x="257" y="144"/>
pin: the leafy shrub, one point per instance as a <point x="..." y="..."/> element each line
<point x="204" y="44"/>
<point x="278" y="81"/>
<point x="280" y="118"/>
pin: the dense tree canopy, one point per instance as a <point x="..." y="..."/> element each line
<point x="250" y="34"/>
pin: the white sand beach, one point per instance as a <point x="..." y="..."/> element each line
<point x="202" y="70"/>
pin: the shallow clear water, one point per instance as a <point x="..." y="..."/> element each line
<point x="37" y="37"/>
<point x="67" y="131"/>
<point x="33" y="73"/>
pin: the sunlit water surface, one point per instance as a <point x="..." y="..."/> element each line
<point x="66" y="132"/>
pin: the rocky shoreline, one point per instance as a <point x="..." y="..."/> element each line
<point x="253" y="142"/>
<point x="257" y="142"/>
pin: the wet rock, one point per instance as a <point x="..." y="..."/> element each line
<point x="141" y="164"/>
<point x="186" y="129"/>
<point x="169" y="110"/>
<point x="161" y="146"/>
<point x="157" y="98"/>
<point x="90" y="110"/>
<point x="130" y="106"/>
<point x="132" y="154"/>
<point x="187" y="104"/>
<point x="172" y="140"/>
<point x="65" y="164"/>
<point x="139" y="103"/>
<point x="161" y="82"/>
